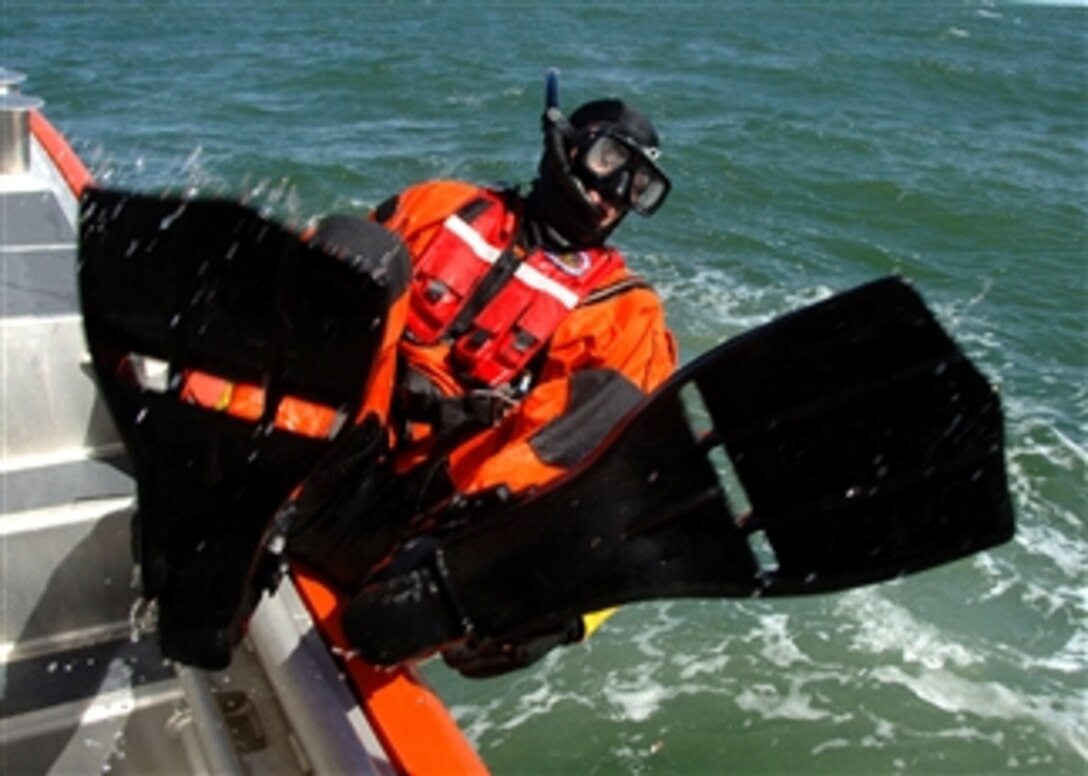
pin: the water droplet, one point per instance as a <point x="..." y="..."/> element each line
<point x="169" y="220"/>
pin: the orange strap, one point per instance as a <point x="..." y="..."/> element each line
<point x="247" y="402"/>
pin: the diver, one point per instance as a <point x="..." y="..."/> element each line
<point x="523" y="338"/>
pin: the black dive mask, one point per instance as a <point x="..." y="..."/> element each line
<point x="621" y="170"/>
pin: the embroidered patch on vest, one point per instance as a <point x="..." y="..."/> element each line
<point x="575" y="264"/>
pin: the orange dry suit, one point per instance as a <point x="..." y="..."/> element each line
<point x="562" y="348"/>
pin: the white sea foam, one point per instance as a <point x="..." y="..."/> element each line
<point x="1067" y="553"/>
<point x="715" y="303"/>
<point x="537" y="703"/>
<point x="700" y="666"/>
<point x="651" y="635"/>
<point x="771" y="702"/>
<point x="991" y="700"/>
<point x="886" y="627"/>
<point x="778" y="646"/>
<point x="1070" y="659"/>
<point x="528" y="695"/>
<point x="474" y="720"/>
<point x="638" y="700"/>
<point x="1001" y="573"/>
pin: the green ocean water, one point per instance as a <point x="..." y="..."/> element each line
<point x="812" y="146"/>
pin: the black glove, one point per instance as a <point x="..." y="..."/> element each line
<point x="492" y="657"/>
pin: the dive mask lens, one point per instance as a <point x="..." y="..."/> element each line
<point x="625" y="173"/>
<point x="648" y="189"/>
<point x="606" y="156"/>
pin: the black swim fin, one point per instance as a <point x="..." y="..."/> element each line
<point x="170" y="285"/>
<point x="865" y="442"/>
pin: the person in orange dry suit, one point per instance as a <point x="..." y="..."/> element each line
<point x="520" y="338"/>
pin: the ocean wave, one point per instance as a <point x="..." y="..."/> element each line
<point x="959" y="696"/>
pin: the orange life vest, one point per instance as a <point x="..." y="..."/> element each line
<point x="494" y="334"/>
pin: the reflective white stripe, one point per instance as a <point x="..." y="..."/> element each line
<point x="528" y="275"/>
<point x="535" y="279"/>
<point x="481" y="247"/>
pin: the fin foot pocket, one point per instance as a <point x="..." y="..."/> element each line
<point x="171" y="286"/>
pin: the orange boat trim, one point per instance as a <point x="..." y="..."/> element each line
<point x="410" y="720"/>
<point x="67" y="161"/>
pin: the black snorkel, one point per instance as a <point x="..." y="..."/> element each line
<point x="551" y="90"/>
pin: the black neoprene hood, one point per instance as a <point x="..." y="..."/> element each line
<point x="627" y="119"/>
<point x="557" y="203"/>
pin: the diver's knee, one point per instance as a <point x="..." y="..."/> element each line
<point x="368" y="246"/>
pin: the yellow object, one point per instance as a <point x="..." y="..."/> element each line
<point x="594" y="620"/>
